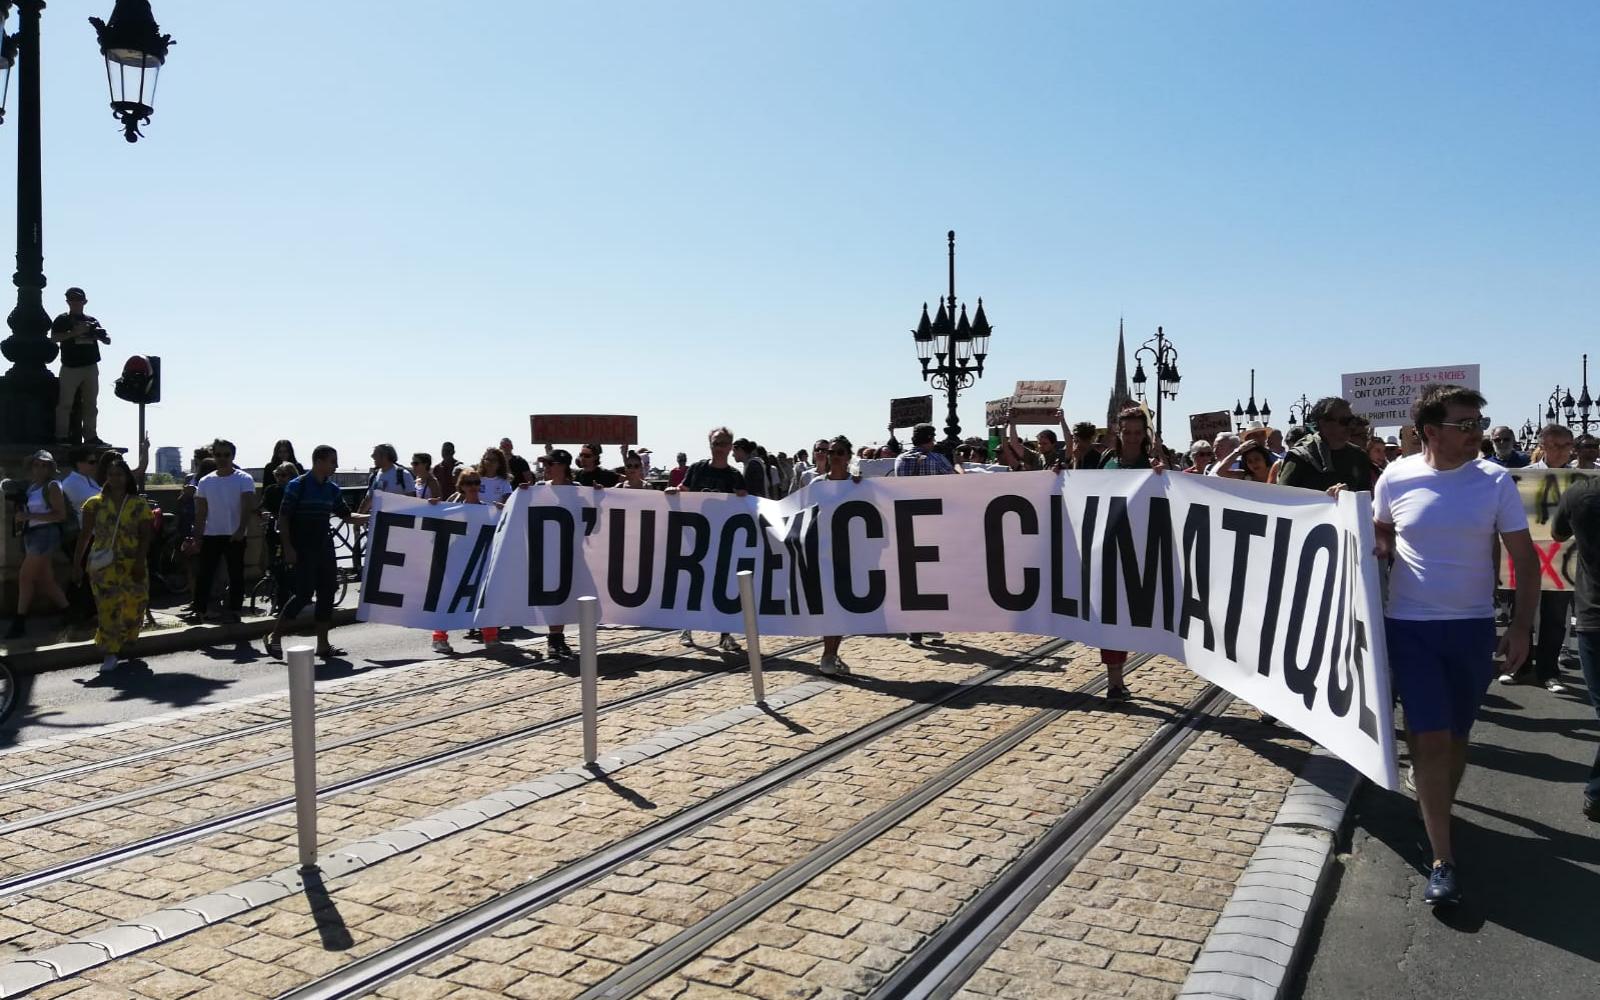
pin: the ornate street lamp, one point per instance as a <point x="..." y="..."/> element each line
<point x="1585" y="402"/>
<point x="1560" y="404"/>
<point x="131" y="42"/>
<point x="957" y="348"/>
<point x="1301" y="406"/>
<point x="134" y="50"/>
<point x="1263" y="413"/>
<point x="1164" y="358"/>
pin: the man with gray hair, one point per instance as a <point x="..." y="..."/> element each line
<point x="713" y="475"/>
<point x="1505" y="449"/>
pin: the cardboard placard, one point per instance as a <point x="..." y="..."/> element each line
<point x="1385" y="397"/>
<point x="1206" y="426"/>
<point x="584" y="428"/>
<point x="909" y="411"/>
<point x="997" y="412"/>
<point x="1036" y="402"/>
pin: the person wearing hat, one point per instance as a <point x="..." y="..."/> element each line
<point x="80" y="336"/>
<point x="40" y="516"/>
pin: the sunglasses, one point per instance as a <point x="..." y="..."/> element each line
<point x="839" y="451"/>
<point x="1471" y="425"/>
<point x="722" y="444"/>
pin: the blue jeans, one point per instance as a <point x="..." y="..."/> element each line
<point x="1589" y="660"/>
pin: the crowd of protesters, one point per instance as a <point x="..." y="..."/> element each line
<point x="1444" y="508"/>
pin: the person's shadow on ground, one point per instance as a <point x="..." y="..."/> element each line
<point x="1533" y="883"/>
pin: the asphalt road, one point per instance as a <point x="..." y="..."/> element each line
<point x="1529" y="926"/>
<point x="58" y="701"/>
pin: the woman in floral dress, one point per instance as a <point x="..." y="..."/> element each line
<point x="116" y="540"/>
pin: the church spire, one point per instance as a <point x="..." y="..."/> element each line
<point x="1120" y="396"/>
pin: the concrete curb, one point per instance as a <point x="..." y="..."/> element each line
<point x="177" y="640"/>
<point x="1255" y="947"/>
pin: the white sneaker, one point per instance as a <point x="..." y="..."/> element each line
<point x="1555" y="687"/>
<point x="686" y="638"/>
<point x="829" y="665"/>
<point x="108" y="664"/>
<point x="726" y="644"/>
<point x="1409" y="779"/>
<point x="442" y="646"/>
<point x="1507" y="679"/>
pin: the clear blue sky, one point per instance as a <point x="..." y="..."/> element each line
<point x="407" y="221"/>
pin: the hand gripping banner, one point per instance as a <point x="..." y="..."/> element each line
<point x="1267" y="591"/>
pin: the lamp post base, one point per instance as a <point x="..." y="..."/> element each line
<point x="27" y="408"/>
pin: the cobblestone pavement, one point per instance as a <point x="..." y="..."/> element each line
<point x="1127" y="922"/>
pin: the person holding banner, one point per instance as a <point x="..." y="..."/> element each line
<point x="1437" y="515"/>
<point x="1330" y="457"/>
<point x="838" y="456"/>
<point x="1134" y="450"/>
<point x="558" y="472"/>
<point x="496" y="479"/>
<point x="469" y="489"/>
<point x="713" y="475"/>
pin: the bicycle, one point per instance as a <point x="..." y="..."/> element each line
<point x="8" y="689"/>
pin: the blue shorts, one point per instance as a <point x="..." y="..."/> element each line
<point x="41" y="540"/>
<point x="1441" y="670"/>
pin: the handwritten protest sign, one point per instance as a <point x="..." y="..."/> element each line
<point x="997" y="412"/>
<point x="1385" y="397"/>
<point x="909" y="411"/>
<point x="1541" y="490"/>
<point x="1036" y="402"/>
<point x="1206" y="426"/>
<point x="584" y="428"/>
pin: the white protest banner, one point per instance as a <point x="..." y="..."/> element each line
<point x="1385" y="397"/>
<point x="1265" y="591"/>
<point x="1036" y="402"/>
<point x="426" y="558"/>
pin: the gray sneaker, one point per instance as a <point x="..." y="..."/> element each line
<point x="829" y="665"/>
<point x="686" y="638"/>
<point x="726" y="644"/>
<point x="1554" y="686"/>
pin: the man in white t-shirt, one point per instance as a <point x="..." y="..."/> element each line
<point x="1437" y="516"/>
<point x="225" y="500"/>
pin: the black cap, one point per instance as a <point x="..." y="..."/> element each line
<point x="76" y="293"/>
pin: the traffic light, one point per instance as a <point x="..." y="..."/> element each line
<point x="140" y="381"/>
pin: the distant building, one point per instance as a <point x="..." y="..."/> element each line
<point x="170" y="461"/>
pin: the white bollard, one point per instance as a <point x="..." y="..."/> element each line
<point x="303" y="726"/>
<point x="752" y="635"/>
<point x="589" y="674"/>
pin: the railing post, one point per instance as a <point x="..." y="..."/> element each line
<point x="589" y="674"/>
<point x="303" y="726"/>
<point x="752" y="635"/>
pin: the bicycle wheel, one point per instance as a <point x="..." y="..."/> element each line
<point x="8" y="690"/>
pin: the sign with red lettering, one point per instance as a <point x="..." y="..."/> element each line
<point x="584" y="428"/>
<point x="1385" y="397"/>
